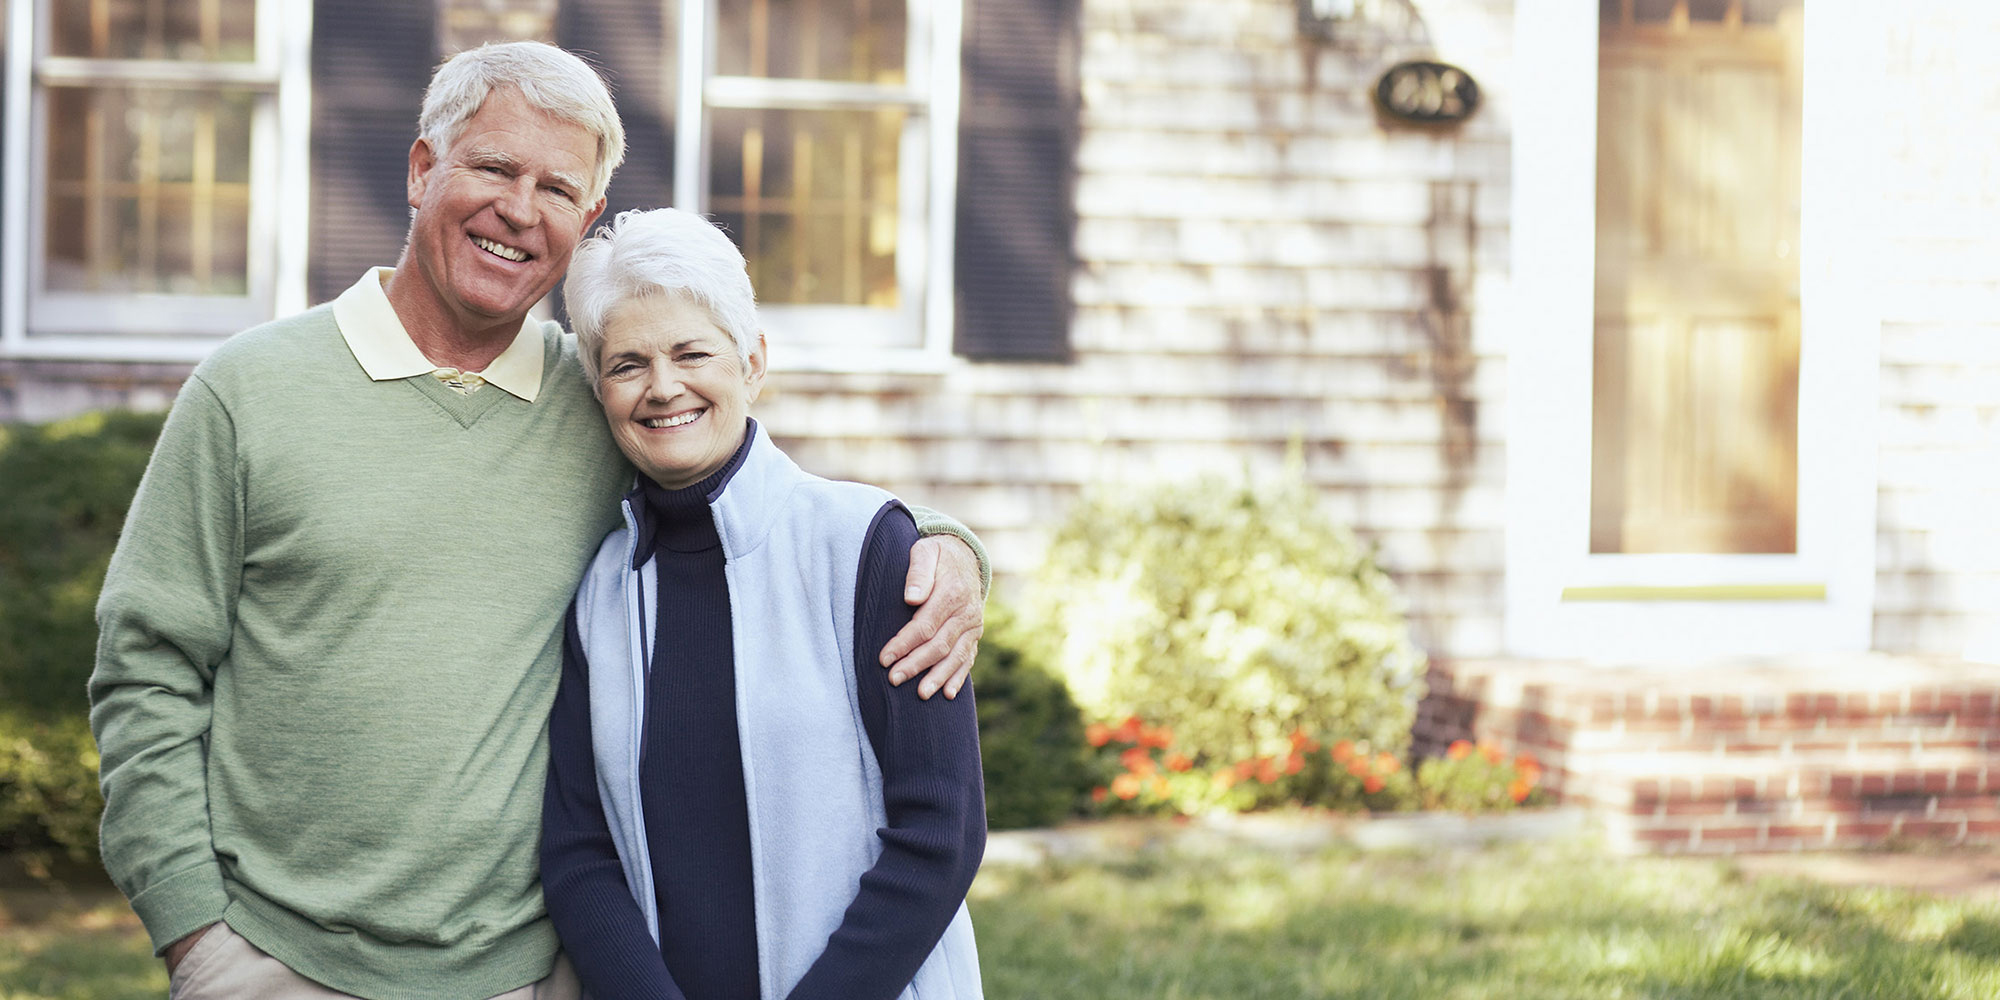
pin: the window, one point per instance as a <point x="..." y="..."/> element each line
<point x="144" y="219"/>
<point x="817" y="134"/>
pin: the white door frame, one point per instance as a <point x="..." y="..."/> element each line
<point x="1563" y="601"/>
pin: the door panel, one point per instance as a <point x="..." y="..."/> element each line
<point x="1695" y="377"/>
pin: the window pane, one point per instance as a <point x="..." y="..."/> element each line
<point x="148" y="190"/>
<point x="1708" y="10"/>
<point x="204" y="30"/>
<point x="858" y="41"/>
<point x="811" y="198"/>
<point x="1766" y="11"/>
<point x="1652" y="11"/>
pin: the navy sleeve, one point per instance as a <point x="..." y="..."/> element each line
<point x="601" y="927"/>
<point x="931" y="788"/>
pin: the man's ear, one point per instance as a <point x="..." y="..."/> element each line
<point x="754" y="370"/>
<point x="590" y="218"/>
<point x="422" y="159"/>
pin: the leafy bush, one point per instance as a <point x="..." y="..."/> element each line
<point x="49" y="802"/>
<point x="1479" y="778"/>
<point x="1241" y="614"/>
<point x="1030" y="735"/>
<point x="68" y="485"/>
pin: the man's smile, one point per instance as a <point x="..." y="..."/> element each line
<point x="500" y="250"/>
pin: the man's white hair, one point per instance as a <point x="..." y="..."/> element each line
<point x="553" y="81"/>
<point x="660" y="251"/>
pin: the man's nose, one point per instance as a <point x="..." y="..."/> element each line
<point x="517" y="205"/>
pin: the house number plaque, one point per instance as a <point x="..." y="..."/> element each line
<point x="1428" y="92"/>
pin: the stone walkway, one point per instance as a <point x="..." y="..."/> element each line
<point x="1959" y="872"/>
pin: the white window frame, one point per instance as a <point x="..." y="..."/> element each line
<point x="35" y="322"/>
<point x="1561" y="599"/>
<point x="915" y="336"/>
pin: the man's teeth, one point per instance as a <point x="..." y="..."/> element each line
<point x="499" y="250"/>
<point x="661" y="423"/>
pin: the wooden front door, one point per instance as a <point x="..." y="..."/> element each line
<point x="1694" y="422"/>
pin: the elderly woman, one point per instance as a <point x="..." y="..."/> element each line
<point x="749" y="810"/>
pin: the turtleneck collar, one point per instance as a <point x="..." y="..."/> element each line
<point x="679" y="520"/>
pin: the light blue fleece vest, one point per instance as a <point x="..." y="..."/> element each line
<point x="791" y="545"/>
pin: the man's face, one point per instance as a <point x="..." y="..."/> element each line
<point x="499" y="212"/>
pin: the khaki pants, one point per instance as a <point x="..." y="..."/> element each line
<point x="225" y="966"/>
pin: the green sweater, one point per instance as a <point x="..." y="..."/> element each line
<point x="329" y="640"/>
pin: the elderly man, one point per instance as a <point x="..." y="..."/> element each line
<point x="330" y="635"/>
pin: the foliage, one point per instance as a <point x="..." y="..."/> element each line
<point x="1239" y="612"/>
<point x="1143" y="772"/>
<point x="49" y="802"/>
<point x="1030" y="734"/>
<point x="68" y="485"/>
<point x="1478" y="778"/>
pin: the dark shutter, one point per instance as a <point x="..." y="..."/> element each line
<point x="1018" y="125"/>
<point x="629" y="42"/>
<point x="371" y="60"/>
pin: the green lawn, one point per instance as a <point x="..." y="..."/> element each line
<point x="1543" y="923"/>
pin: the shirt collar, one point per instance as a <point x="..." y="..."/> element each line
<point x="384" y="348"/>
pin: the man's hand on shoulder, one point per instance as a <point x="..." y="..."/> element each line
<point x="178" y="950"/>
<point x="941" y="641"/>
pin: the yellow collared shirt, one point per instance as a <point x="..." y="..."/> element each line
<point x="384" y="348"/>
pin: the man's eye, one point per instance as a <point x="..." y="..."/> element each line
<point x="694" y="357"/>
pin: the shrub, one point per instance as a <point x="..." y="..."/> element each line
<point x="49" y="803"/>
<point x="68" y="485"/>
<point x="1241" y="614"/>
<point x="1478" y="778"/>
<point x="1030" y="735"/>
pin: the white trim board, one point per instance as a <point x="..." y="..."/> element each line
<point x="1550" y="330"/>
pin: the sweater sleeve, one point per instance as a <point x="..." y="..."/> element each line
<point x="583" y="882"/>
<point x="932" y="792"/>
<point x="165" y="618"/>
<point x="933" y="522"/>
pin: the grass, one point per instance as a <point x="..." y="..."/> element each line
<point x="1549" y="923"/>
<point x="1543" y="922"/>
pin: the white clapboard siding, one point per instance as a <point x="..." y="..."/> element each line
<point x="1938" y="539"/>
<point x="1262" y="260"/>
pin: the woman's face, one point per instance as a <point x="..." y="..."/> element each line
<point x="676" y="394"/>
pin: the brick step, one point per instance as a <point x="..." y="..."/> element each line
<point x="1820" y="752"/>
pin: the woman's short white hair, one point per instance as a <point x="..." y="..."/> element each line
<point x="660" y="251"/>
<point x="553" y="81"/>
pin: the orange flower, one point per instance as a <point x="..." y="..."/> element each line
<point x="1301" y="743"/>
<point x="1343" y="750"/>
<point x="1160" y="787"/>
<point x="1493" y="754"/>
<point x="1223" y="781"/>
<point x="1387" y="764"/>
<point x="1244" y="769"/>
<point x="1129" y="730"/>
<point x="1137" y="760"/>
<point x="1125" y="786"/>
<point x="1371" y="784"/>
<point x="1294" y="764"/>
<point x="1519" y="790"/>
<point x="1158" y="736"/>
<point x="1099" y="794"/>
<point x="1529" y="771"/>
<point x="1459" y="750"/>
<point x="1267" y="770"/>
<point x="1358" y="767"/>
<point x="1097" y="734"/>
<point x="1176" y="762"/>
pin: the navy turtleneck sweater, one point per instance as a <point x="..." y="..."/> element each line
<point x="697" y="817"/>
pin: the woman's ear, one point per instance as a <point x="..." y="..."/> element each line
<point x="754" y="368"/>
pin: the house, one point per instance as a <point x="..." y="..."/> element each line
<point x="1656" y="343"/>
